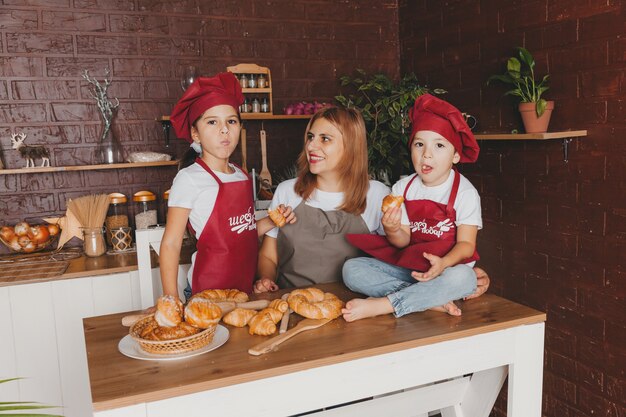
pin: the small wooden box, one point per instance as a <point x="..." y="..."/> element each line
<point x="251" y="93"/>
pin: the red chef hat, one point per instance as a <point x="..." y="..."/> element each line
<point x="204" y="93"/>
<point x="432" y="113"/>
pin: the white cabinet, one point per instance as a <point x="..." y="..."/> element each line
<point x="43" y="341"/>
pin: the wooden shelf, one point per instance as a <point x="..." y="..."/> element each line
<point x="124" y="165"/>
<point x="567" y="136"/>
<point x="258" y="116"/>
<point x="532" y="136"/>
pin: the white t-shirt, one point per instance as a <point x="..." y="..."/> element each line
<point x="467" y="203"/>
<point x="194" y="188"/>
<point x="328" y="201"/>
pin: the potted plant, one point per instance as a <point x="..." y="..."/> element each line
<point x="7" y="408"/>
<point x="520" y="73"/>
<point x="384" y="105"/>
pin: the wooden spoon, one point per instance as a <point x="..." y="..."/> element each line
<point x="225" y="306"/>
<point x="264" y="176"/>
<point x="269" y="345"/>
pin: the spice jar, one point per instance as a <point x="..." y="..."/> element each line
<point x="243" y="81"/>
<point x="252" y="81"/>
<point x="145" y="209"/>
<point x="243" y="108"/>
<point x="261" y="81"/>
<point x="256" y="105"/>
<point x="117" y="215"/>
<point x="265" y="105"/>
<point x="93" y="241"/>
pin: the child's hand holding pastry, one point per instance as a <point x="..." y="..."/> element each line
<point x="391" y="219"/>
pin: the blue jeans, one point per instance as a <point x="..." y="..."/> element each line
<point x="376" y="278"/>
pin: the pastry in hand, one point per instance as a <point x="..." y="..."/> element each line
<point x="169" y="311"/>
<point x="202" y="313"/>
<point x="314" y="303"/>
<point x="239" y="317"/>
<point x="392" y="201"/>
<point x="277" y="217"/>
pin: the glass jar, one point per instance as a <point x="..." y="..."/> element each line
<point x="145" y="209"/>
<point x="121" y="239"/>
<point x="243" y="81"/>
<point x="117" y="215"/>
<point x="261" y="81"/>
<point x="244" y="106"/>
<point x="265" y="105"/>
<point x="93" y="241"/>
<point x="256" y="105"/>
<point x="252" y="81"/>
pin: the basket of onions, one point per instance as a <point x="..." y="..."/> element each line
<point x="26" y="238"/>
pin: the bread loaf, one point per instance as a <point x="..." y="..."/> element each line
<point x="202" y="313"/>
<point x="169" y="311"/>
<point x="223" y="295"/>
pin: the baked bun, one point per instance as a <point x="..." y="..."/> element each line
<point x="392" y="201"/>
<point x="277" y="217"/>
<point x="169" y="311"/>
<point x="239" y="317"/>
<point x="223" y="295"/>
<point x="202" y="313"/>
<point x="314" y="303"/>
<point x="170" y="333"/>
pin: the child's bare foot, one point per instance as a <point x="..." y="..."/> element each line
<point x="360" y="308"/>
<point x="449" y="308"/>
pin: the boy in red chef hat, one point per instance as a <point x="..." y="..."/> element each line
<point x="212" y="194"/>
<point x="425" y="261"/>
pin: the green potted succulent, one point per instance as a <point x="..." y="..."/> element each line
<point x="7" y="408"/>
<point x="520" y="74"/>
<point x="384" y="105"/>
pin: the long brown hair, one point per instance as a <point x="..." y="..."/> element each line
<point x="353" y="165"/>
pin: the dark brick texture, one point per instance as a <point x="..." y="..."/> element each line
<point x="45" y="46"/>
<point x="554" y="232"/>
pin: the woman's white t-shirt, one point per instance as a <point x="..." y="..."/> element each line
<point x="329" y="201"/>
<point x="467" y="203"/>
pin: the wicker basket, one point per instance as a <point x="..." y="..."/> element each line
<point x="174" y="346"/>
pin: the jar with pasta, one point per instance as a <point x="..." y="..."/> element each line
<point x="117" y="215"/>
<point x="145" y="209"/>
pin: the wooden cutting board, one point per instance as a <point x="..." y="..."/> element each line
<point x="21" y="271"/>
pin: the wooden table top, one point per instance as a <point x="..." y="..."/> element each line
<point x="118" y="381"/>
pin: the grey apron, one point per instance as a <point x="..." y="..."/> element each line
<point x="314" y="249"/>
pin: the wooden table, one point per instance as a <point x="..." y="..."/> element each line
<point x="338" y="363"/>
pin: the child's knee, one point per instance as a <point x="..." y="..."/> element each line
<point x="352" y="272"/>
<point x="464" y="278"/>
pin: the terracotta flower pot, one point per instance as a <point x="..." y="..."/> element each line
<point x="532" y="123"/>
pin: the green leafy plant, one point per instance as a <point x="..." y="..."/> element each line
<point x="6" y="408"/>
<point x="384" y="105"/>
<point x="520" y="73"/>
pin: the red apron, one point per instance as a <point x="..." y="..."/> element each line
<point x="433" y="230"/>
<point x="228" y="246"/>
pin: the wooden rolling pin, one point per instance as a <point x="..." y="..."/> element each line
<point x="225" y="306"/>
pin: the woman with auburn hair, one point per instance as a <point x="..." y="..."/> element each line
<point x="332" y="196"/>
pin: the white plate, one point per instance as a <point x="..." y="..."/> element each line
<point x="129" y="347"/>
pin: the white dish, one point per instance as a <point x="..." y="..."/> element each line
<point x="129" y="347"/>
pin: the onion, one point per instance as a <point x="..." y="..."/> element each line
<point x="30" y="247"/>
<point x="54" y="229"/>
<point x="22" y="228"/>
<point x="14" y="244"/>
<point x="7" y="233"/>
<point x="40" y="234"/>
<point x="23" y="241"/>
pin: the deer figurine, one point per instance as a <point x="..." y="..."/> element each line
<point x="30" y="153"/>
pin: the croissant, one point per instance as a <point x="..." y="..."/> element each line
<point x="239" y="317"/>
<point x="148" y="328"/>
<point x="392" y="201"/>
<point x="279" y="304"/>
<point x="264" y="322"/>
<point x="169" y="311"/>
<point x="223" y="295"/>
<point x="313" y="303"/>
<point x="169" y="333"/>
<point x="277" y="217"/>
<point x="202" y="313"/>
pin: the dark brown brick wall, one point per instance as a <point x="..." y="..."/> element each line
<point x="45" y="45"/>
<point x="555" y="232"/>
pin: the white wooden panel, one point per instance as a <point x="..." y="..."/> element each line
<point x="348" y="381"/>
<point x="36" y="343"/>
<point x="483" y="391"/>
<point x="135" y="289"/>
<point x="138" y="410"/>
<point x="526" y="373"/>
<point x="10" y="390"/>
<point x="73" y="300"/>
<point x="112" y="294"/>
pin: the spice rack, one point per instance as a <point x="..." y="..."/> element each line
<point x="252" y="90"/>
